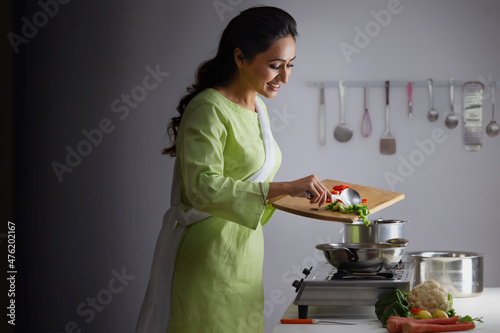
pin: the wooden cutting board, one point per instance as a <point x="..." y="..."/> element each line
<point x="377" y="200"/>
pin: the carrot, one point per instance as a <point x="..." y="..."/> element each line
<point x="395" y="324"/>
<point x="416" y="327"/>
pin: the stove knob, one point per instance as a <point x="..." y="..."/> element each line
<point x="297" y="284"/>
<point x="307" y="271"/>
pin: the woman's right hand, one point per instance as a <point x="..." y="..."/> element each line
<point x="298" y="188"/>
<point x="319" y="192"/>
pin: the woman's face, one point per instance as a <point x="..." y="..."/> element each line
<point x="270" y="69"/>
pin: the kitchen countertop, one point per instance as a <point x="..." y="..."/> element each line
<point x="485" y="305"/>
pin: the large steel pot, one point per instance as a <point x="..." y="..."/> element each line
<point x="377" y="231"/>
<point x="362" y="257"/>
<point x="461" y="273"/>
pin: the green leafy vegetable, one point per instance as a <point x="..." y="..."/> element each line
<point x="470" y="319"/>
<point x="361" y="210"/>
<point x="393" y="303"/>
<point x="451" y="310"/>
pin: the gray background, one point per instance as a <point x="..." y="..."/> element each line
<point x="105" y="215"/>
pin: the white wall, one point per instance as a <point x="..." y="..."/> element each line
<point x="106" y="213"/>
<point x="452" y="196"/>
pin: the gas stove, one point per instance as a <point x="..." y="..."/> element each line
<point x="323" y="285"/>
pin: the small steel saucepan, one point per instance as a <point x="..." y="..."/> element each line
<point x="364" y="257"/>
<point x="377" y="231"/>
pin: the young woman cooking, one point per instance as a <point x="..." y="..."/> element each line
<point x="206" y="274"/>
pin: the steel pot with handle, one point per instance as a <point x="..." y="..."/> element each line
<point x="363" y="257"/>
<point x="461" y="273"/>
<point x="377" y="231"/>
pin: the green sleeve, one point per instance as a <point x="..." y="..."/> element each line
<point x="201" y="148"/>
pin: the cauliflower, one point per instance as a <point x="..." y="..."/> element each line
<point x="430" y="296"/>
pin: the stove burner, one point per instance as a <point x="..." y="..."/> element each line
<point x="325" y="286"/>
<point x="363" y="276"/>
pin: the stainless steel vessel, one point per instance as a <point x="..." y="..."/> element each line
<point x="362" y="257"/>
<point x="377" y="231"/>
<point x="461" y="273"/>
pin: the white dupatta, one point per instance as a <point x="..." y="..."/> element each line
<point x="155" y="312"/>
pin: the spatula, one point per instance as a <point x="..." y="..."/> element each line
<point x="387" y="142"/>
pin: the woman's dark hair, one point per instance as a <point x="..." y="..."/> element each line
<point x="253" y="31"/>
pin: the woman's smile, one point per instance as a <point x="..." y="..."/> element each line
<point x="274" y="86"/>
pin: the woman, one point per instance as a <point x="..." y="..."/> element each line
<point x="226" y="160"/>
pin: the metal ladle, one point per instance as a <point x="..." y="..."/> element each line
<point x="492" y="128"/>
<point x="432" y="115"/>
<point x="342" y="132"/>
<point x="451" y="120"/>
<point x="348" y="196"/>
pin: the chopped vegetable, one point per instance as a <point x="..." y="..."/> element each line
<point x="361" y="210"/>
<point x="339" y="206"/>
<point x="340" y="188"/>
<point x="417" y="327"/>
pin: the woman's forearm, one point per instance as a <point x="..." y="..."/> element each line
<point x="278" y="188"/>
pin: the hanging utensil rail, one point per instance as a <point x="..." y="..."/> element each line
<point x="398" y="83"/>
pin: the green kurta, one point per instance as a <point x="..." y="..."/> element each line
<point x="218" y="274"/>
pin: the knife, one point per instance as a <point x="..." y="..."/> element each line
<point x="311" y="321"/>
<point x="410" y="99"/>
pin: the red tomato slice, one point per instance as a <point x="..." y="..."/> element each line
<point x="340" y="187"/>
<point x="415" y="311"/>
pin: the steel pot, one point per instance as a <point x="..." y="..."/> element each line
<point x="362" y="258"/>
<point x="377" y="231"/>
<point x="461" y="273"/>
